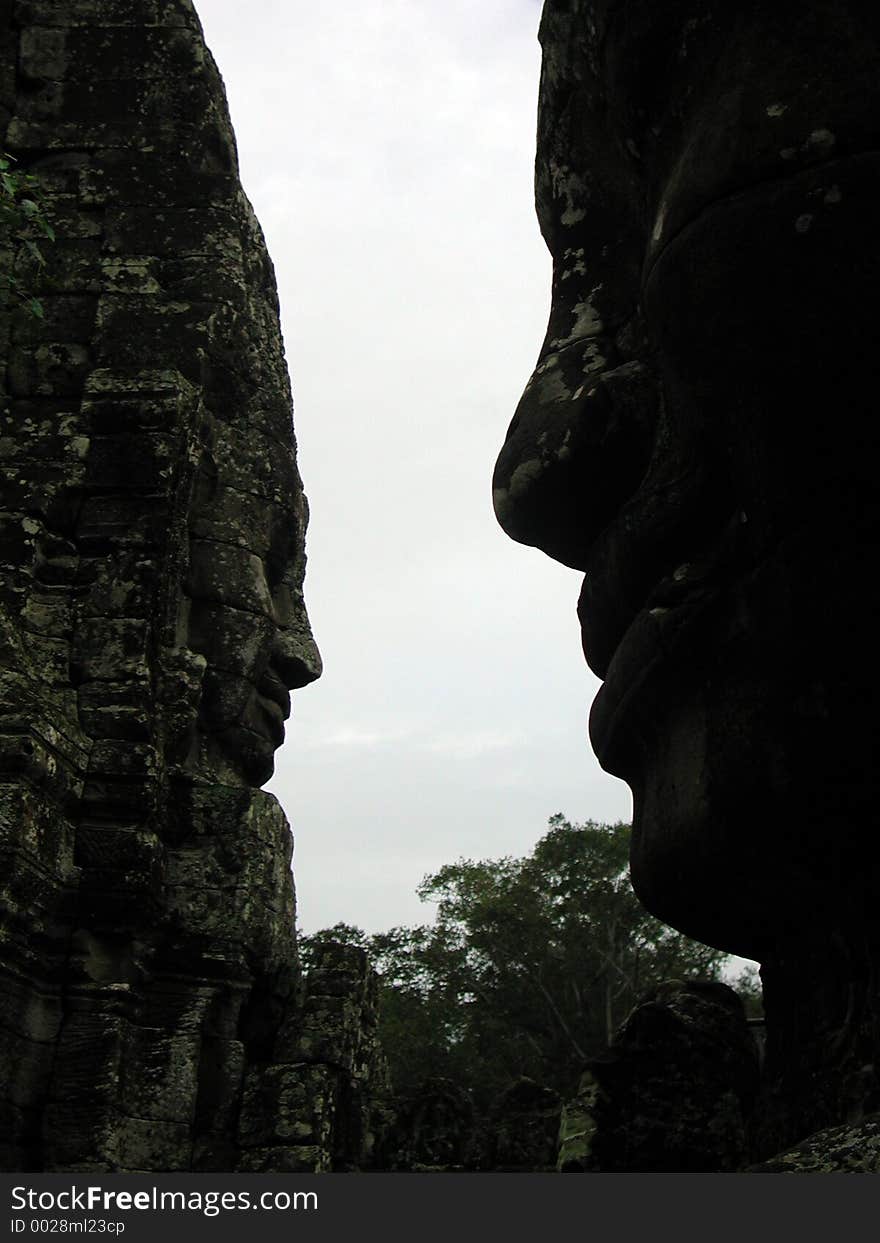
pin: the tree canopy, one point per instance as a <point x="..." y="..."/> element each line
<point x="529" y="967"/>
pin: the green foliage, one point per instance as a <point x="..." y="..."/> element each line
<point x="748" y="986"/>
<point x="23" y="226"/>
<point x="530" y="966"/>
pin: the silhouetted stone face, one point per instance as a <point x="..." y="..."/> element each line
<point x="674" y="1093"/>
<point x="699" y="437"/>
<point x="151" y="626"/>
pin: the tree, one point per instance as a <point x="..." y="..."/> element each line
<point x="530" y="966"/>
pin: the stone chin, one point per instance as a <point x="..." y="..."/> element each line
<point x="745" y="756"/>
<point x="703" y="824"/>
<point x="250" y="754"/>
<point x="245" y="690"/>
<point x="241" y="726"/>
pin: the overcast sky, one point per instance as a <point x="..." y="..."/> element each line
<point x="388" y="148"/>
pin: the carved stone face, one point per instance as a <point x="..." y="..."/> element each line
<point x="700" y="437"/>
<point x="246" y="613"/>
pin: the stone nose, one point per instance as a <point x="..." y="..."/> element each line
<point x="295" y="657"/>
<point x="577" y="449"/>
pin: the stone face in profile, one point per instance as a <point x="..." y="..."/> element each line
<point x="673" y="1092"/>
<point x="244" y="612"/>
<point x="151" y="627"/>
<point x="699" y="437"/>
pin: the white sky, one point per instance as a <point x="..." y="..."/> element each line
<point x="388" y="148"/>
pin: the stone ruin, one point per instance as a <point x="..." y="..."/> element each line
<point x="700" y="438"/>
<point x="152" y="624"/>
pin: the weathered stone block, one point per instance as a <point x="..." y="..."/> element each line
<point x="135" y="52"/>
<point x="128" y="325"/>
<point x="19" y="1136"/>
<point x="116" y="709"/>
<point x="160" y="1076"/>
<point x="29" y="822"/>
<point x="176" y="232"/>
<point x="27" y="135"/>
<point x="113" y="847"/>
<point x="43" y="53"/>
<point x="307" y="1159"/>
<point x="288" y="1104"/>
<point x="853" y="1149"/>
<point x="150" y="1144"/>
<point x="122" y="519"/>
<point x="47" y="612"/>
<point x="131" y="461"/>
<point x="57" y="369"/>
<point x="17" y="538"/>
<point x="64" y="13"/>
<point x="70" y="319"/>
<point x="107" y="649"/>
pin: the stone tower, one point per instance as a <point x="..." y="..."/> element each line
<point x="699" y="438"/>
<point x="152" y="526"/>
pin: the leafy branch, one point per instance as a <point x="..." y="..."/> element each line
<point x="23" y="222"/>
